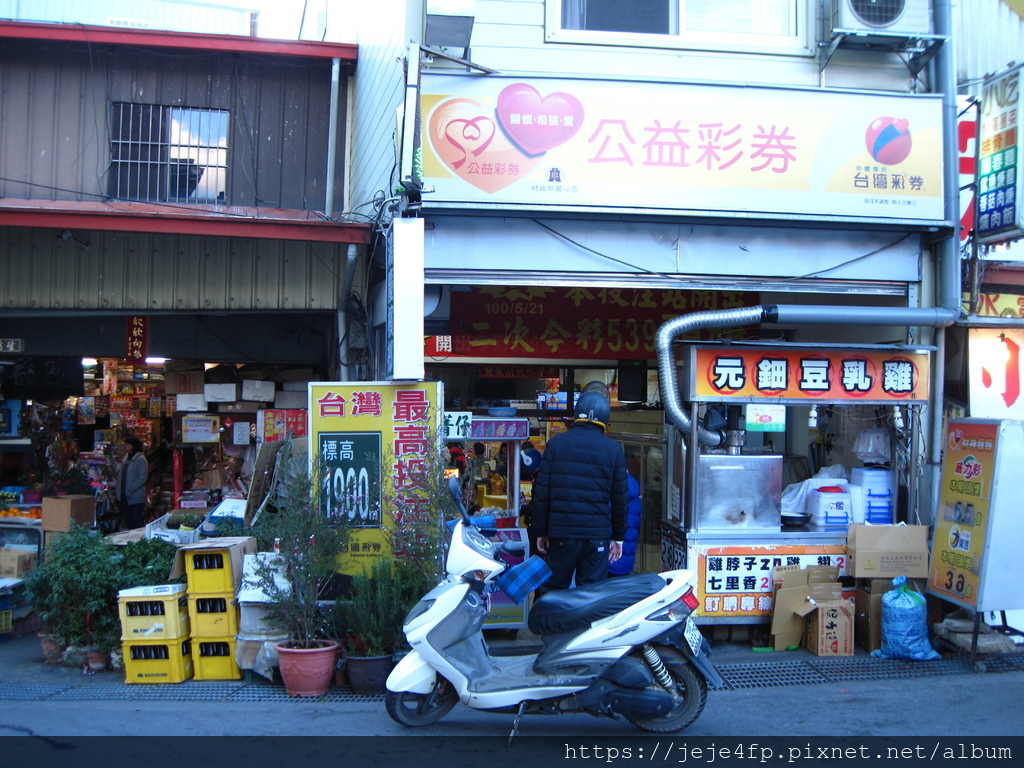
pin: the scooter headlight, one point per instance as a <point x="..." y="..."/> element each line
<point x="418" y="610"/>
<point x="677" y="610"/>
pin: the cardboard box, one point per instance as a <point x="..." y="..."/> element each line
<point x="260" y="391"/>
<point x="234" y="549"/>
<point x="868" y="619"/>
<point x="220" y="393"/>
<point x="303" y="386"/>
<point x="796" y="586"/>
<point x="51" y="536"/>
<point x="15" y="563"/>
<point x="888" y="551"/>
<point x="293" y="400"/>
<point x="191" y="403"/>
<point x="59" y="511"/>
<point x="183" y="383"/>
<point x="829" y="627"/>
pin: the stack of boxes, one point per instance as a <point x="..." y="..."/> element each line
<point x="877" y="554"/>
<point x="155" y="634"/>
<point x="214" y="571"/>
<point x="174" y="632"/>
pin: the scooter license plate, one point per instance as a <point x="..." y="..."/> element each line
<point x="693" y="636"/>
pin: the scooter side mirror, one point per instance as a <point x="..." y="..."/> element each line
<point x="455" y="489"/>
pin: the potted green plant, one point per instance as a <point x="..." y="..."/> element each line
<point x="373" y="612"/>
<point x="184" y="521"/>
<point x="74" y="589"/>
<point x="297" y="580"/>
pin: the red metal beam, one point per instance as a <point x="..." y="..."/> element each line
<point x="271" y="224"/>
<point x="83" y="33"/>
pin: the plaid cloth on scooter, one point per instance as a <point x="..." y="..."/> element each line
<point x="518" y="582"/>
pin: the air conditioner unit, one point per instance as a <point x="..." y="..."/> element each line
<point x="910" y="17"/>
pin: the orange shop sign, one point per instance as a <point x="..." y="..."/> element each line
<point x="802" y="374"/>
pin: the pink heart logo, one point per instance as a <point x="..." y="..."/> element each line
<point x="538" y="123"/>
<point x="467" y="140"/>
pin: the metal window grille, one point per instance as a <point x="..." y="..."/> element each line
<point x="168" y="154"/>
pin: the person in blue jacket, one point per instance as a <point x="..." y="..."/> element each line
<point x="624" y="565"/>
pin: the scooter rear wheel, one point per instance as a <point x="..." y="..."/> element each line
<point x="417" y="709"/>
<point x="691" y="687"/>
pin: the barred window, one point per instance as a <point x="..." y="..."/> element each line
<point x="168" y="154"/>
<point x="748" y="25"/>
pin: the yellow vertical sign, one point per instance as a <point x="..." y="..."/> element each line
<point x="373" y="444"/>
<point x="958" y="545"/>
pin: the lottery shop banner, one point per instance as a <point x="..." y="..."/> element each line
<point x="572" y="323"/>
<point x="373" y="440"/>
<point x="736" y="581"/>
<point x="668" y="146"/>
<point x="958" y="543"/>
<point x="796" y="375"/>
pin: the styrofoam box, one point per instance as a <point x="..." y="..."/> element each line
<point x="295" y="386"/>
<point x="291" y="400"/>
<point x="192" y="403"/>
<point x="260" y="391"/>
<point x="220" y="393"/>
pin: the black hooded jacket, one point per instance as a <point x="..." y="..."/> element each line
<point x="581" y="486"/>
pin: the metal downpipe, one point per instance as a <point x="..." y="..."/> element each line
<point x="667" y="378"/>
<point x="935" y="317"/>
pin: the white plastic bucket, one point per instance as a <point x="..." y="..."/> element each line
<point x="830" y="507"/>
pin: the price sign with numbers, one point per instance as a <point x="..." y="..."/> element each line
<point x="374" y="442"/>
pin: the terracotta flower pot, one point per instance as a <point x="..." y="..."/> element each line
<point x="307" y="671"/>
<point x="52" y="652"/>
<point x="96" y="661"/>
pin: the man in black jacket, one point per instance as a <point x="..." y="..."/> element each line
<point x="580" y="493"/>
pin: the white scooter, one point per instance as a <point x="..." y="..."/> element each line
<point x="625" y="646"/>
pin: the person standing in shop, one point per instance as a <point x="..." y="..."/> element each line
<point x="624" y="565"/>
<point x="580" y="494"/>
<point x="131" y="484"/>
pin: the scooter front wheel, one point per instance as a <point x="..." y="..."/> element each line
<point x="692" y="689"/>
<point x="417" y="709"/>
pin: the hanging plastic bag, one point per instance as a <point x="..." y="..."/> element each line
<point x="904" y="625"/>
<point x="873" y="446"/>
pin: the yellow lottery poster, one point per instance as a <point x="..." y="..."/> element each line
<point x="373" y="443"/>
<point x="962" y="521"/>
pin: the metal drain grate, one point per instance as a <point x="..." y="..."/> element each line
<point x="28" y="691"/>
<point x="277" y="693"/>
<point x="770" y="674"/>
<point x="847" y="669"/>
<point x="93" y="692"/>
<point x="1008" y="663"/>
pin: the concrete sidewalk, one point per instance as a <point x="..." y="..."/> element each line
<point x="25" y="676"/>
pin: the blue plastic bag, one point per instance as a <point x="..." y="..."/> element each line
<point x="904" y="625"/>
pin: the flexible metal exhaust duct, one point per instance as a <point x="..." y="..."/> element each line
<point x="771" y="313"/>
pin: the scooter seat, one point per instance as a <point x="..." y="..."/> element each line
<point x="566" y="610"/>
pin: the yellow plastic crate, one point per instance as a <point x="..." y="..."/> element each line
<point x="215" y="659"/>
<point x="154" y="617"/>
<point x="208" y="571"/>
<point x="161" y="662"/>
<point x="213" y="615"/>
